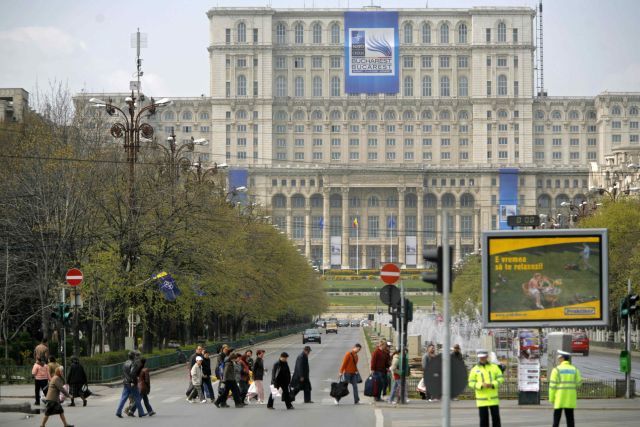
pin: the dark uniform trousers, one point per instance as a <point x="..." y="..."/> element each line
<point x="557" y="414"/>
<point x="484" y="415"/>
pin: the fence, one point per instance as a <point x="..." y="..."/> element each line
<point x="108" y="373"/>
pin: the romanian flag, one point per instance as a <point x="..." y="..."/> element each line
<point x="355" y="222"/>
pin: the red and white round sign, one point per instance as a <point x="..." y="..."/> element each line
<point x="74" y="277"/>
<point x="390" y="274"/>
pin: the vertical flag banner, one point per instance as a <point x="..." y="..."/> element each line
<point x="508" y="196"/>
<point x="336" y="250"/>
<point x="411" y="250"/>
<point x="371" y="52"/>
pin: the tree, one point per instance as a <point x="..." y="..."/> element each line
<point x="467" y="286"/>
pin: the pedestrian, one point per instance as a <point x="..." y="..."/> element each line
<point x="244" y="375"/>
<point x="349" y="371"/>
<point x="380" y="363"/>
<point x="258" y="375"/>
<point x="485" y="378"/>
<point x="399" y="368"/>
<point x="135" y="374"/>
<point x="196" y="380"/>
<point x="41" y="377"/>
<point x="248" y="356"/>
<point x="219" y="367"/>
<point x="206" y="376"/>
<point x="53" y="365"/>
<point x="144" y="387"/>
<point x="563" y="389"/>
<point x="192" y="359"/>
<point x="281" y="379"/>
<point x="457" y="353"/>
<point x="130" y="372"/>
<point x="229" y="384"/>
<point x="77" y="379"/>
<point x="427" y="358"/>
<point x="41" y="352"/>
<point x="300" y="379"/>
<point x="54" y="407"/>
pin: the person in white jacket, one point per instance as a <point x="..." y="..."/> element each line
<point x="196" y="380"/>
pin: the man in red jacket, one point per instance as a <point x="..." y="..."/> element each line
<point x="380" y="362"/>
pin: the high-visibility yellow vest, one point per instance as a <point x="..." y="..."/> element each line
<point x="489" y="374"/>
<point x="563" y="385"/>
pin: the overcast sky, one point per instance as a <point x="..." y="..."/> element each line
<point x="590" y="45"/>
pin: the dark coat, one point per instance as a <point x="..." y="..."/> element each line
<point x="127" y="378"/>
<point x="281" y="375"/>
<point x="301" y="370"/>
<point x="206" y="367"/>
<point x="144" y="381"/>
<point x="76" y="375"/>
<point x="229" y="373"/>
<point x="258" y="369"/>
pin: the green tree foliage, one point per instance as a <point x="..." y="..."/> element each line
<point x="467" y="286"/>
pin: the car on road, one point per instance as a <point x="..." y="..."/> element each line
<point x="343" y="323"/>
<point x="355" y="322"/>
<point x="331" y="326"/>
<point x="580" y="343"/>
<point x="310" y="335"/>
<point x="320" y="323"/>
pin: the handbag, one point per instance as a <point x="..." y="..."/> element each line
<point x="421" y="388"/>
<point x="85" y="391"/>
<point x="252" y="389"/>
<point x="275" y="392"/>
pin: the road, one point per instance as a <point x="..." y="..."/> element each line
<point x="604" y="364"/>
<point x="168" y="398"/>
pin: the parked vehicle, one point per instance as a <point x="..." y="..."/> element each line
<point x="343" y="323"/>
<point x="320" y="323"/>
<point x="580" y="343"/>
<point x="331" y="327"/>
<point x="311" y="335"/>
<point x="355" y="322"/>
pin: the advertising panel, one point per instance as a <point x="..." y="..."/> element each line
<point x="336" y="250"/>
<point x="371" y="52"/>
<point x="411" y="250"/>
<point x="508" y="196"/>
<point x="545" y="278"/>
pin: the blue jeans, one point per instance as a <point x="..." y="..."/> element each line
<point x="351" y="379"/>
<point x="132" y="390"/>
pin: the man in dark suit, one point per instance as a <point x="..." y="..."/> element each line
<point x="300" y="379"/>
<point x="280" y="379"/>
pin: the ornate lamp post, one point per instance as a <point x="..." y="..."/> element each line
<point x="201" y="173"/>
<point x="131" y="129"/>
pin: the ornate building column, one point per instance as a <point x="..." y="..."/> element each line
<point x="476" y="230"/>
<point x="439" y="221"/>
<point x="420" y="231"/>
<point x="326" y="248"/>
<point x="400" y="229"/>
<point x="345" y="228"/>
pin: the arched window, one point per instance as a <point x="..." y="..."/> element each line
<point x="241" y="114"/>
<point x="354" y="115"/>
<point x="335" y="201"/>
<point x="408" y="33"/>
<point x="544" y="201"/>
<point x="242" y="33"/>
<point x="204" y="116"/>
<point x="299" y="87"/>
<point x="448" y="201"/>
<point x="336" y="115"/>
<point x="317" y="86"/>
<point x="444" y="86"/>
<point x="372" y="115"/>
<point x="615" y="111"/>
<point x="430" y="201"/>
<point x="298" y="31"/>
<point x="633" y="111"/>
<point x="502" y="85"/>
<point x="279" y="201"/>
<point x="444" y="34"/>
<point x="373" y="202"/>
<point x="298" y="116"/>
<point x="281" y="33"/>
<point x="502" y="32"/>
<point x="241" y="88"/>
<point x="281" y="86"/>
<point x="392" y="202"/>
<point x="316" y="201"/>
<point x="297" y="201"/>
<point x="280" y="115"/>
<point x="187" y="115"/>
<point x="593" y="115"/>
<point x="389" y="115"/>
<point x="335" y="86"/>
<point x="354" y="202"/>
<point x="560" y="199"/>
<point x="462" y="33"/>
<point x="503" y="114"/>
<point x="574" y="115"/>
<point x="426" y="86"/>
<point x="335" y="33"/>
<point x="408" y="86"/>
<point x="426" y="115"/>
<point x="539" y="115"/>
<point x="410" y="201"/>
<point x="408" y="115"/>
<point x="168" y="116"/>
<point x="444" y="115"/>
<point x="463" y="86"/>
<point x="426" y="33"/>
<point x="467" y="201"/>
<point x="556" y="115"/>
<point x="317" y="33"/>
<point x="317" y="115"/>
<point x="463" y="115"/>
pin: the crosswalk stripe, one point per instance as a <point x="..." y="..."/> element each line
<point x="172" y="399"/>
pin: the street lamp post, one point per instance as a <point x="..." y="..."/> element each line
<point x="201" y="172"/>
<point x="131" y="129"/>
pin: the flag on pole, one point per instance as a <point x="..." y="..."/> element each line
<point x="355" y="222"/>
<point x="321" y="223"/>
<point x="391" y="222"/>
<point x="167" y="285"/>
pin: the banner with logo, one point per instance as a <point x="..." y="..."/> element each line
<point x="371" y="52"/>
<point x="508" y="196"/>
<point x="411" y="250"/>
<point x="336" y="250"/>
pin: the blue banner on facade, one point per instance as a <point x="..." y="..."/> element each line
<point x="508" y="196"/>
<point x="371" y="52"/>
<point x="238" y="178"/>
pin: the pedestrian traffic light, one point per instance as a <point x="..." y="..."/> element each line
<point x="624" y="307"/>
<point x="633" y="304"/>
<point x="67" y="314"/>
<point x="408" y="310"/>
<point x="435" y="256"/>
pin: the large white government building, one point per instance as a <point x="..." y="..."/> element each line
<point x="465" y="124"/>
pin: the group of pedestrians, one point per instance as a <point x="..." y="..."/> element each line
<point x="387" y="369"/>
<point x="136" y="386"/>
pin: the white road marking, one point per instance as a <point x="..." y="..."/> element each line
<point x="111" y="398"/>
<point x="172" y="399"/>
<point x="379" y="418"/>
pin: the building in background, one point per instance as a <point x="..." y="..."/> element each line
<point x="14" y="103"/>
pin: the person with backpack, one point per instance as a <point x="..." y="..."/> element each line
<point x="229" y="384"/>
<point x="130" y="371"/>
<point x="77" y="379"/>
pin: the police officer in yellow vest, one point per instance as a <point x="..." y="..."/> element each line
<point x="563" y="385"/>
<point x="485" y="378"/>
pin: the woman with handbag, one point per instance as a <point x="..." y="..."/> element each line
<point x="55" y="391"/>
<point x="76" y="378"/>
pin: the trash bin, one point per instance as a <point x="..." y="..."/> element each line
<point x="621" y="387"/>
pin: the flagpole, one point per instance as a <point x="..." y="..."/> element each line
<point x="357" y="247"/>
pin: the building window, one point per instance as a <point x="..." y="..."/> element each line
<point x="298" y="227"/>
<point x="335" y="62"/>
<point x="444" y="34"/>
<point x="241" y="88"/>
<point x="488" y="36"/>
<point x="407" y="61"/>
<point x="391" y="155"/>
<point x="335" y="155"/>
<point x="227" y="35"/>
<point x="515" y="35"/>
<point x="592" y="155"/>
<point x="298" y="62"/>
<point x="408" y="86"/>
<point x="242" y="33"/>
<point x="317" y="33"/>
<point x="444" y="86"/>
<point x="462" y="33"/>
<point x="299" y="87"/>
<point x="281" y="33"/>
<point x="335" y="34"/>
<point x="516" y="88"/>
<point x="426" y="61"/>
<point x="444" y="61"/>
<point x="502" y="85"/>
<point x="298" y="30"/>
<point x="463" y="61"/>
<point x="426" y="86"/>
<point x="466" y="226"/>
<point x="335" y="86"/>
<point x="281" y="86"/>
<point x="502" y="32"/>
<point x="463" y="86"/>
<point x="426" y="33"/>
<point x="488" y="87"/>
<point x="408" y="33"/>
<point x="316" y="62"/>
<point x="317" y="86"/>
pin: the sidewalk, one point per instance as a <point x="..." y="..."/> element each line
<point x="583" y="404"/>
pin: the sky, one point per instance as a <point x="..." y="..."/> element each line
<point x="591" y="46"/>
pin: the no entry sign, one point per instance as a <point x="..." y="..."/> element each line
<point x="390" y="274"/>
<point x="74" y="277"/>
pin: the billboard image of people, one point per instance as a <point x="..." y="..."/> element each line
<point x="547" y="277"/>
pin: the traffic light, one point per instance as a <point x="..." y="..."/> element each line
<point x="408" y="309"/>
<point x="57" y="313"/>
<point x="624" y="307"/>
<point x="633" y="303"/>
<point x="67" y="314"/>
<point x="436" y="256"/>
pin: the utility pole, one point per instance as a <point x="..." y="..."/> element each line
<point x="627" y="376"/>
<point x="403" y="343"/>
<point x="63" y="348"/>
<point x="446" y="342"/>
<point x="76" y="338"/>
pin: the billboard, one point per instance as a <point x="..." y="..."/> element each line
<point x="371" y="52"/>
<point x="336" y="250"/>
<point x="508" y="196"/>
<point x="545" y="278"/>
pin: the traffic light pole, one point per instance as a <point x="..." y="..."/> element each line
<point x="627" y="333"/>
<point x="403" y="343"/>
<point x="446" y="342"/>
<point x="64" y="335"/>
<point x="76" y="338"/>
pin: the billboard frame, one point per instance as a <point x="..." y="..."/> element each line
<point x="604" y="275"/>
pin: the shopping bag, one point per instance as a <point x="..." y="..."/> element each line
<point x="275" y="392"/>
<point x="253" y="389"/>
<point x="339" y="390"/>
<point x="421" y="388"/>
<point x="85" y="391"/>
<point x="61" y="397"/>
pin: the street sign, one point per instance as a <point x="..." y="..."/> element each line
<point x="390" y="295"/>
<point x="390" y="273"/>
<point x="74" y="277"/>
